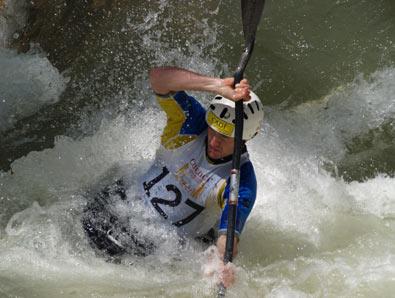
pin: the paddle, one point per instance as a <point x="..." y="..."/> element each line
<point x="251" y="11"/>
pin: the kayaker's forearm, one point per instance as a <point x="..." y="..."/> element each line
<point x="172" y="79"/>
<point x="221" y="246"/>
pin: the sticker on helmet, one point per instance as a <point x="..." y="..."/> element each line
<point x="219" y="125"/>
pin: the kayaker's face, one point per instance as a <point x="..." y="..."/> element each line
<point x="218" y="145"/>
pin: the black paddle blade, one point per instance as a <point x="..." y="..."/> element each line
<point x="251" y="11"/>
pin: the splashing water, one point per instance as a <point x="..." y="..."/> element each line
<point x="27" y="82"/>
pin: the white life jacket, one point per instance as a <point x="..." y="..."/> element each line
<point x="185" y="188"/>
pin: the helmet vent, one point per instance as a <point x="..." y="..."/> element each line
<point x="223" y="113"/>
<point x="212" y="107"/>
<point x="245" y="117"/>
<point x="218" y="97"/>
<point x="257" y="105"/>
<point x="251" y="109"/>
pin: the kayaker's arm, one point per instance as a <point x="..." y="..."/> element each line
<point x="221" y="243"/>
<point x="172" y="79"/>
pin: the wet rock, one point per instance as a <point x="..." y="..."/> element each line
<point x="62" y="28"/>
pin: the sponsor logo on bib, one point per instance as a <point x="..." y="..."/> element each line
<point x="192" y="178"/>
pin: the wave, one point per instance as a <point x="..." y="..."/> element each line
<point x="27" y="83"/>
<point x="354" y="119"/>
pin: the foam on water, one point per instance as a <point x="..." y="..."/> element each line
<point x="42" y="241"/>
<point x="299" y="195"/>
<point x="320" y="235"/>
<point x="27" y="82"/>
<point x="329" y="125"/>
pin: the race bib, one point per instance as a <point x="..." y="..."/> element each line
<point x="170" y="198"/>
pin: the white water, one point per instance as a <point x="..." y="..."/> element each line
<point x="310" y="234"/>
<point x="348" y="112"/>
<point x="27" y="83"/>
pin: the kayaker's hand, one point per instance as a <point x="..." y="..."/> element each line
<point x="240" y="92"/>
<point x="227" y="274"/>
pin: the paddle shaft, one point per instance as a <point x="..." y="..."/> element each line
<point x="235" y="172"/>
<point x="251" y="14"/>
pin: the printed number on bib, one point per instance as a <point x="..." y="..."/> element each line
<point x="156" y="202"/>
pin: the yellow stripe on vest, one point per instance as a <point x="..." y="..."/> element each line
<point x="220" y="195"/>
<point x="171" y="138"/>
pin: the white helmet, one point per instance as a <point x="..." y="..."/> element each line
<point x="220" y="116"/>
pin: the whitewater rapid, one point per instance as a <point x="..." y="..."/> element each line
<point x="310" y="233"/>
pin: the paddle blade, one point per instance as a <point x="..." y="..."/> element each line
<point x="251" y="11"/>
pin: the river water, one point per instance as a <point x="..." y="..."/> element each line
<point x="323" y="224"/>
